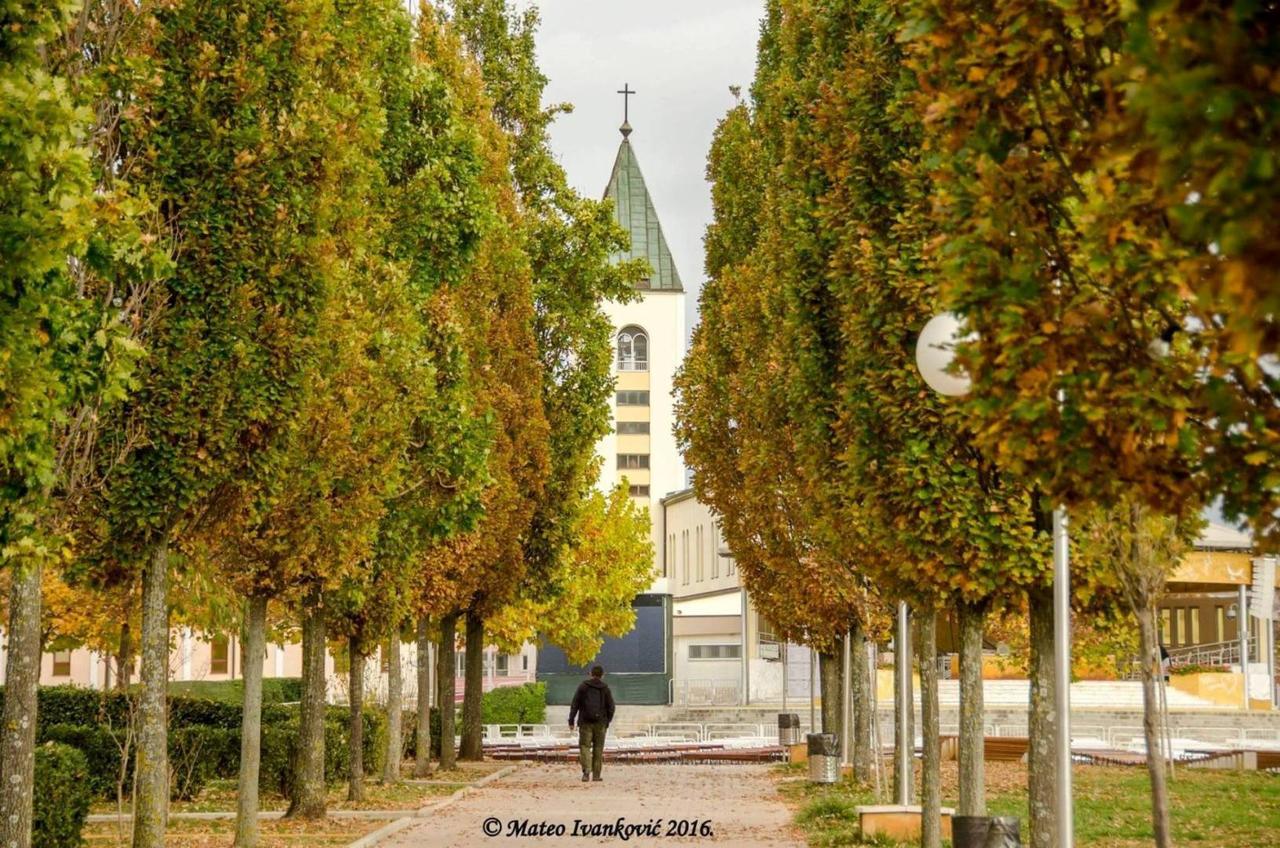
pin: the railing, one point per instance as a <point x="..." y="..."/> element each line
<point x="633" y="365"/>
<point x="1213" y="653"/>
<point x="705" y="693"/>
<point x="1209" y="654"/>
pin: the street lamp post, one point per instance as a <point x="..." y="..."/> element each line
<point x="935" y="352"/>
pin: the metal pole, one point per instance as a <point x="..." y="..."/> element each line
<point x="746" y="674"/>
<point x="1242" y="628"/>
<point x="1062" y="676"/>
<point x="902" y="668"/>
<point x="844" y="699"/>
<point x="786" y="649"/>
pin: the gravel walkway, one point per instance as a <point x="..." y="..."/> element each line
<point x="538" y="805"/>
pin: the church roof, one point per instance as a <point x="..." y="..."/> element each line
<point x="633" y="209"/>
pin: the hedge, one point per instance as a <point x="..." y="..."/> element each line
<point x="62" y="796"/>
<point x="76" y="705"/>
<point x="275" y="690"/>
<point x="526" y="704"/>
<point x="200" y="752"/>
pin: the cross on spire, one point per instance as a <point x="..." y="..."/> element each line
<point x="626" y="91"/>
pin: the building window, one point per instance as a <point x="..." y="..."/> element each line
<point x="684" y="544"/>
<point x="701" y="572"/>
<point x="633" y="460"/>
<point x="219" y="654"/>
<point x="633" y="428"/>
<point x="524" y="662"/>
<point x="639" y="491"/>
<point x="1222" y="623"/>
<point x="504" y="664"/>
<point x="1193" y="625"/>
<point x="61" y="663"/>
<point x="633" y="350"/>
<point x="714" y="552"/>
<point x="633" y="398"/>
<point x="715" y="652"/>
<point x="669" y="561"/>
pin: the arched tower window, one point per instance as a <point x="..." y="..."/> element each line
<point x="633" y="349"/>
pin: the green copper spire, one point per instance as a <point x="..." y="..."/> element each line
<point x="633" y="210"/>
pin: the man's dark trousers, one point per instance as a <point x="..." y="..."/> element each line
<point x="591" y="746"/>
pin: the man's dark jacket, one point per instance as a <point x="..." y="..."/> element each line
<point x="592" y="703"/>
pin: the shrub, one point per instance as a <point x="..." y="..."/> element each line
<point x="275" y="690"/>
<point x="62" y="796"/>
<point x="525" y="704"/>
<point x="101" y="750"/>
<point x="279" y="742"/>
<point x="199" y="754"/>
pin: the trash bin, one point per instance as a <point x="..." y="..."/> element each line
<point x="1004" y="833"/>
<point x="985" y="832"/>
<point x="788" y="729"/>
<point x="824" y="758"/>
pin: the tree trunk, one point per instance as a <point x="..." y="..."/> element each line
<point x="151" y="770"/>
<point x="863" y="756"/>
<point x="931" y="788"/>
<point x="1150" y="718"/>
<point x="254" y="645"/>
<point x="973" y="799"/>
<point x="446" y="699"/>
<point x="124" y="659"/>
<point x="831" y="685"/>
<point x="473" y="690"/>
<point x="355" y="719"/>
<point x="395" y="711"/>
<point x="308" y="800"/>
<point x="21" y="680"/>
<point x="1041" y="721"/>
<point x="422" y="759"/>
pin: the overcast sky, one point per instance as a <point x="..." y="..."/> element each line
<point x="680" y="58"/>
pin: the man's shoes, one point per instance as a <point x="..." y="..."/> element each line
<point x="585" y="777"/>
<point x="597" y="778"/>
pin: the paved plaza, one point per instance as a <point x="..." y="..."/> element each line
<point x="738" y="803"/>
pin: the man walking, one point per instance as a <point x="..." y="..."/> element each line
<point x="593" y="708"/>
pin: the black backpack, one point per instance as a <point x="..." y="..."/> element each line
<point x="593" y="709"/>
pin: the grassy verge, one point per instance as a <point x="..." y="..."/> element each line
<point x="329" y="833"/>
<point x="1209" y="808"/>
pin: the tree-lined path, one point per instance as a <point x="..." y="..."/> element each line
<point x="739" y="801"/>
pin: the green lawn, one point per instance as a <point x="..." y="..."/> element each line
<point x="1221" y="809"/>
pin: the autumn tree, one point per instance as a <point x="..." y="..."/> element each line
<point x="1199" y="118"/>
<point x="608" y="563"/>
<point x="476" y="573"/>
<point x="239" y="141"/>
<point x="76" y="268"/>
<point x="735" y="425"/>
<point x="1143" y="548"/>
<point x="963" y="529"/>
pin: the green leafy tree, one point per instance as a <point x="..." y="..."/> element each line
<point x="243" y="158"/>
<point x="76" y="267"/>
<point x="44" y="216"/>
